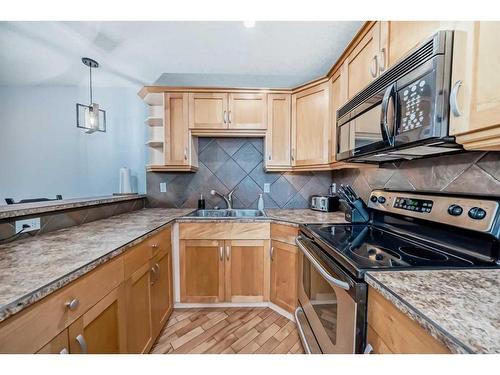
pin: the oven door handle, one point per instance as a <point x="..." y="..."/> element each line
<point x="307" y="348"/>
<point x="319" y="267"/>
<point x="390" y="92"/>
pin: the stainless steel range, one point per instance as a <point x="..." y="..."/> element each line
<point x="406" y="230"/>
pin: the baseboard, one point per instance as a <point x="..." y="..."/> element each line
<point x="272" y="306"/>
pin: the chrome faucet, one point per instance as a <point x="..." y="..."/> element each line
<point x="228" y="199"/>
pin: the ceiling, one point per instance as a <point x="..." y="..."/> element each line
<point x="271" y="54"/>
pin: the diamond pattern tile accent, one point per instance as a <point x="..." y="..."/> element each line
<point x="298" y="179"/>
<point x="248" y="157"/>
<point x="282" y="191"/>
<point x="231" y="145"/>
<point x="312" y="187"/>
<point x="261" y="177"/>
<point x="247" y="192"/>
<point x="297" y="202"/>
<point x="230" y="173"/>
<point x="213" y="156"/>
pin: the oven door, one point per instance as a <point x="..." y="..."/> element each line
<point x="329" y="310"/>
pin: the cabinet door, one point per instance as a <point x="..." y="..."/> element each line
<point x="476" y="121"/>
<point x="399" y="37"/>
<point x="139" y="330"/>
<point x="245" y="269"/>
<point x="362" y="63"/>
<point x="284" y="272"/>
<point x="177" y="143"/>
<point x="279" y="131"/>
<point x="338" y="97"/>
<point x="161" y="292"/>
<point x="58" y="345"/>
<point x="208" y="111"/>
<point x="101" y="330"/>
<point x="247" y="111"/>
<point x="202" y="271"/>
<point x="311" y="126"/>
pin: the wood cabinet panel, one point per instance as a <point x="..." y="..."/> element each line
<point x="202" y="270"/>
<point x="284" y="233"/>
<point x="58" y="345"/>
<point x="378" y="345"/>
<point x="208" y="110"/>
<point x="139" y="330"/>
<point x="311" y="126"/>
<point x="338" y="97"/>
<point x="399" y="333"/>
<point x="284" y="273"/>
<point x="223" y="231"/>
<point x="245" y="268"/>
<point x="247" y="111"/>
<point x="101" y="330"/>
<point x="279" y="131"/>
<point x="161" y="292"/>
<point x="362" y="63"/>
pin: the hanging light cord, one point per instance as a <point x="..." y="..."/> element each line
<point x="90" y="67"/>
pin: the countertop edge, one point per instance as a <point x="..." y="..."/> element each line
<point x="54" y="206"/>
<point x="434" y="329"/>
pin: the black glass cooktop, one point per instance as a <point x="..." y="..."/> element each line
<point x="363" y="247"/>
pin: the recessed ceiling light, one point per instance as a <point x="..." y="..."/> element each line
<point x="249" y="24"/>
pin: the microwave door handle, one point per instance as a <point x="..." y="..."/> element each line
<point x="319" y="267"/>
<point x="383" y="115"/>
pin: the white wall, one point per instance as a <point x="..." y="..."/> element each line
<point x="43" y="153"/>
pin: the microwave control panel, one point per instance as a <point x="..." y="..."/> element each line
<point x="414" y="105"/>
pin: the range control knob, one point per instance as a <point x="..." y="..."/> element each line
<point x="373" y="198"/>
<point x="381" y="200"/>
<point x="455" y="210"/>
<point x="477" y="213"/>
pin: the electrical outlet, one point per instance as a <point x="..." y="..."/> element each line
<point x="33" y="224"/>
<point x="163" y="187"/>
<point x="267" y="188"/>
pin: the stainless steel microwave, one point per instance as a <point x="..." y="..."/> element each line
<point x="404" y="113"/>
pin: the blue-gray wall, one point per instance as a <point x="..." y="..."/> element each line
<point x="42" y="153"/>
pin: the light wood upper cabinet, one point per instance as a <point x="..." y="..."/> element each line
<point x="180" y="148"/>
<point x="338" y="97"/>
<point x="284" y="271"/>
<point x="139" y="330"/>
<point x="161" y="291"/>
<point x="311" y="126"/>
<point x="247" y="111"/>
<point x="476" y="119"/>
<point x="208" y="111"/>
<point x="245" y="265"/>
<point x="362" y="64"/>
<point x="202" y="271"/>
<point x="279" y="131"/>
<point x="101" y="330"/>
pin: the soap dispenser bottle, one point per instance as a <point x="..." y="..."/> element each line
<point x="260" y="203"/>
<point x="201" y="203"/>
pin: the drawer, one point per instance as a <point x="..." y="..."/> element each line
<point x="399" y="333"/>
<point x="284" y="233"/>
<point x="135" y="257"/>
<point x="378" y="345"/>
<point x="30" y="330"/>
<point x="224" y="231"/>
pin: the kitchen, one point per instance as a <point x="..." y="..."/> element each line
<point x="349" y="206"/>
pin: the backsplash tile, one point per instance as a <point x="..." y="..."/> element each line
<point x="469" y="172"/>
<point x="226" y="163"/>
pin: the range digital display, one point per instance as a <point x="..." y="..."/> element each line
<point x="411" y="204"/>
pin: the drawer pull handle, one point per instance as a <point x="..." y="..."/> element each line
<point x="155" y="246"/>
<point x="83" y="344"/>
<point x="368" y="349"/>
<point x="64" y="351"/>
<point x="272" y="251"/>
<point x="72" y="305"/>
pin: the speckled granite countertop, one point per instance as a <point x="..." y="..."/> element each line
<point x="22" y="209"/>
<point x="34" y="267"/>
<point x="461" y="308"/>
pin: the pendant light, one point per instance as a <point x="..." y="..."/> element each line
<point x="90" y="117"/>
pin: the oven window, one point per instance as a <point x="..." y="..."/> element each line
<point x="322" y="298"/>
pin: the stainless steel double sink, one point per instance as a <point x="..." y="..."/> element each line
<point x="235" y="213"/>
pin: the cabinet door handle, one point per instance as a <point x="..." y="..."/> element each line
<point x="225" y="117"/>
<point x="373" y="66"/>
<point x="155" y="246"/>
<point x="291" y="154"/>
<point x="154" y="271"/>
<point x="185" y="153"/>
<point x="269" y="157"/>
<point x="368" y="349"/>
<point x="72" y="305"/>
<point x="230" y="117"/>
<point x="382" y="60"/>
<point x="221" y="253"/>
<point x="272" y="251"/>
<point x="228" y="252"/>
<point x="64" y="351"/>
<point x="454" y="99"/>
<point x="83" y="344"/>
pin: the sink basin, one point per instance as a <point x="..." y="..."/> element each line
<point x="226" y="213"/>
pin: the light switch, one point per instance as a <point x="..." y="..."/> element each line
<point x="163" y="187"/>
<point x="267" y="188"/>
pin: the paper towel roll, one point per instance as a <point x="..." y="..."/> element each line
<point x="125" y="181"/>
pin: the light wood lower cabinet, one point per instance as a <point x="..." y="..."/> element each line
<point x="161" y="292"/>
<point x="391" y="331"/>
<point x="284" y="271"/>
<point x="58" y="345"/>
